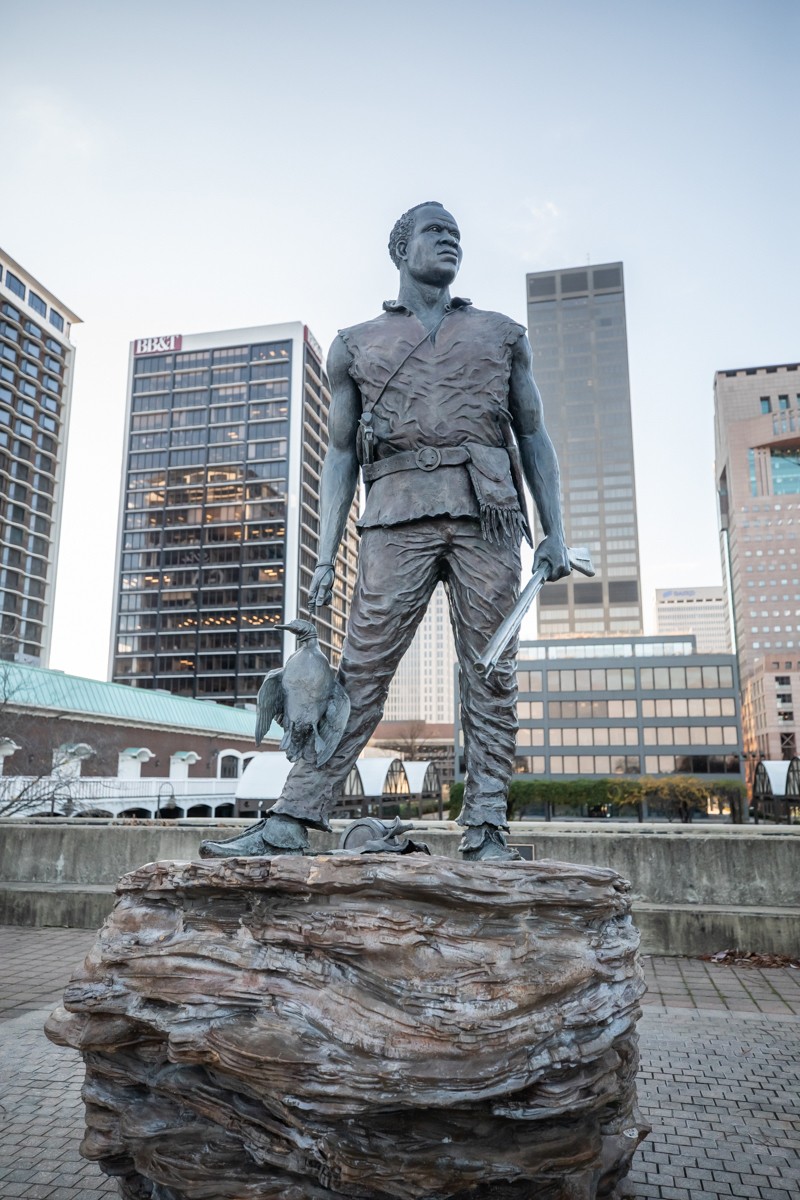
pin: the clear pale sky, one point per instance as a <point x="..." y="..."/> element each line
<point x="176" y="167"/>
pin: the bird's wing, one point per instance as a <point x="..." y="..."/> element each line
<point x="269" y="704"/>
<point x="331" y="727"/>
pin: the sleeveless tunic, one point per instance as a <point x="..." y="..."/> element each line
<point x="451" y="391"/>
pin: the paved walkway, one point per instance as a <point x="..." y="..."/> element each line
<point x="720" y="1080"/>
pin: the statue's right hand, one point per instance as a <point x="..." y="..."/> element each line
<point x="320" y="590"/>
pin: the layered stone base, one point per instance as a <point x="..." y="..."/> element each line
<point x="372" y="1027"/>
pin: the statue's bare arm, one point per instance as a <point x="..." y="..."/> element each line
<point x="539" y="462"/>
<point x="339" y="471"/>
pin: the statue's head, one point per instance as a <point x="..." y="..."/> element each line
<point x="426" y="242"/>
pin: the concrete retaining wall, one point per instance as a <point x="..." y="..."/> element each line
<point x="697" y="889"/>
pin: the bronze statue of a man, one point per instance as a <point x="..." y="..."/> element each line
<point x="435" y="401"/>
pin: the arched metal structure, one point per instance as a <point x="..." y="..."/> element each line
<point x="776" y="790"/>
<point x="376" y="786"/>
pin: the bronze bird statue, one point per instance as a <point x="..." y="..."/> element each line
<point x="306" y="699"/>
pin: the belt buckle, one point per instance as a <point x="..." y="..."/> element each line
<point x="428" y="458"/>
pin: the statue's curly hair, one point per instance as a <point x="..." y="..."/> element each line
<point x="403" y="227"/>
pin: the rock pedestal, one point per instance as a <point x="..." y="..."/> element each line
<point x="367" y="1027"/>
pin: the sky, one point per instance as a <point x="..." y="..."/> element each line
<point x="178" y="167"/>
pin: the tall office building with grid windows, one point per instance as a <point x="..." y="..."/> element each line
<point x="219" y="522"/>
<point x="577" y="328"/>
<point x="36" y="368"/>
<point x="757" y="443"/>
<point x="422" y="689"/>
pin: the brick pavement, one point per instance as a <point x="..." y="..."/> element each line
<point x="720" y="1080"/>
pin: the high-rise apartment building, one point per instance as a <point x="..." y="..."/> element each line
<point x="757" y="437"/>
<point x="576" y="323"/>
<point x="701" y="611"/>
<point x="36" y="368"/>
<point x="219" y="521"/>
<point x="422" y="689"/>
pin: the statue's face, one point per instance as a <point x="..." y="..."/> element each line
<point x="433" y="252"/>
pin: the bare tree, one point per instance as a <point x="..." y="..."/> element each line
<point x="39" y="755"/>
<point x="407" y="738"/>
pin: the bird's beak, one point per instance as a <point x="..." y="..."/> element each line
<point x="280" y="626"/>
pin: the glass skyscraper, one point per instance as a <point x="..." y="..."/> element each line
<point x="576" y="323"/>
<point x="219" y="522"/>
<point x="36" y="368"/>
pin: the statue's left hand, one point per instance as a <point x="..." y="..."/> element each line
<point x="320" y="591"/>
<point x="553" y="552"/>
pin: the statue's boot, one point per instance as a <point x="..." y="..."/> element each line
<point x="482" y="843"/>
<point x="275" y="834"/>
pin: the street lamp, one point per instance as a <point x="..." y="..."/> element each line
<point x="170" y="793"/>
<point x="751" y="760"/>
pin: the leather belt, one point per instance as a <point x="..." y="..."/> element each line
<point x="427" y="458"/>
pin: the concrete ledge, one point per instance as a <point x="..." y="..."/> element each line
<point x="665" y="929"/>
<point x="686" y="929"/>
<point x="696" y="889"/>
<point x="68" y="906"/>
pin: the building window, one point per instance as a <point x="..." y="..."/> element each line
<point x="766" y="404"/>
<point x="751" y="467"/>
<point x="785" y="467"/>
<point x="57" y="320"/>
<point x="37" y="303"/>
<point x="15" y="285"/>
<point x="783" y="403"/>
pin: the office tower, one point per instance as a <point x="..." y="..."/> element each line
<point x="219" y="521"/>
<point x="576" y="323"/>
<point x="757" y="437"/>
<point x="701" y="611"/>
<point x="422" y="689"/>
<point x="36" y="368"/>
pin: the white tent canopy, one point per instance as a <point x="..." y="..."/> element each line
<point x="265" y="774"/>
<point x="415" y="774"/>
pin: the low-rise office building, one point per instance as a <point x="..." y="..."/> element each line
<point x="636" y="706"/>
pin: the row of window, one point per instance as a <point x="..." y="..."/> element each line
<point x="15" y="285"/>
<point x="226" y="452"/>
<point x="22" y="450"/>
<point x="707" y="706"/>
<point x="603" y="764"/>
<point x="536" y="651"/>
<point x="180" y="535"/>
<point x="223" y="414"/>
<point x="157" y="389"/>
<point x="267" y="352"/>
<point x="187" y="601"/>
<point x="615" y="679"/>
<point x="694" y="764"/>
<point x="594" y="764"/>
<point x="783" y="403"/>
<point x="25" y="386"/>
<point x="651" y="678"/>
<point x="568" y="710"/>
<point x="8" y="331"/>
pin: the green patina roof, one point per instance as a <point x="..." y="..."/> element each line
<point x="35" y="687"/>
